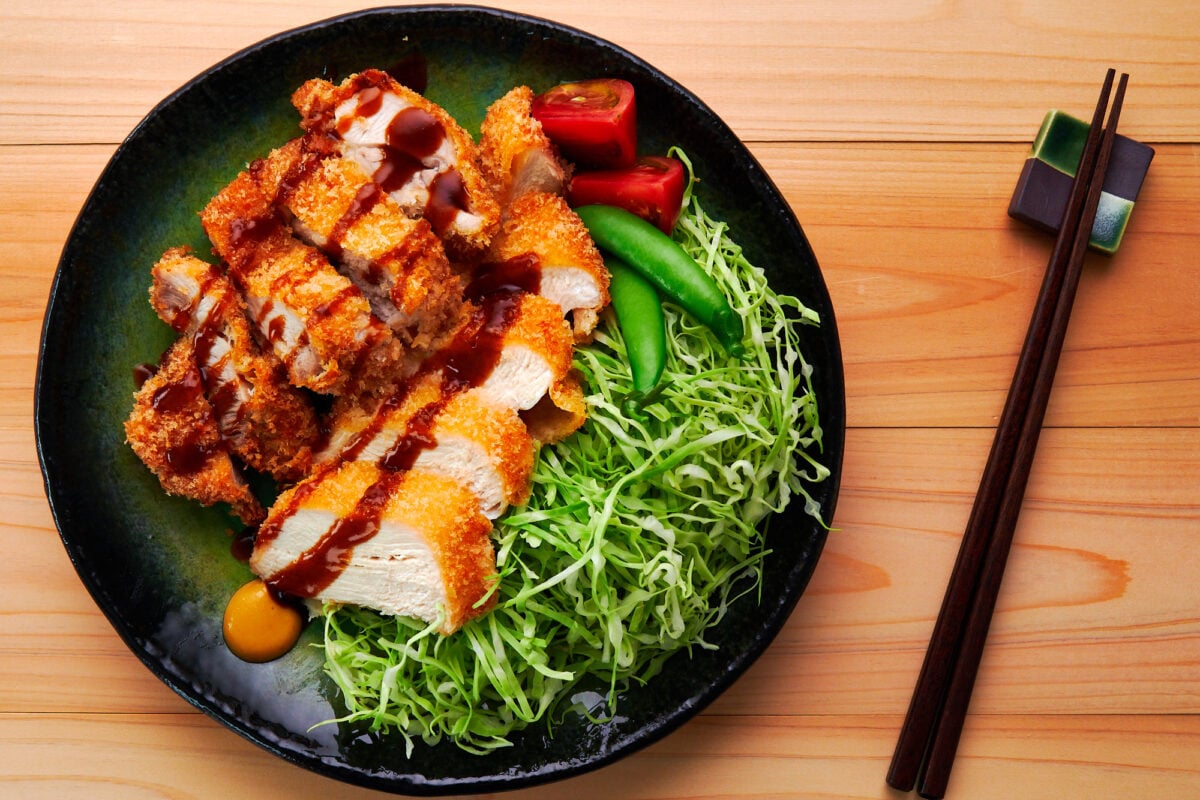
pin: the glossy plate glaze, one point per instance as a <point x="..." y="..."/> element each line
<point x="160" y="567"/>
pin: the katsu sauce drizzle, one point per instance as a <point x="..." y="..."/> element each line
<point x="321" y="564"/>
<point x="204" y="383"/>
<point x="192" y="452"/>
<point x="253" y="238"/>
<point x="465" y="363"/>
<point x="223" y="390"/>
<point x="522" y="273"/>
<point x="364" y="201"/>
<point x="412" y="139"/>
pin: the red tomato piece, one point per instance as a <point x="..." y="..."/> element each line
<point x="652" y="189"/>
<point x="593" y="123"/>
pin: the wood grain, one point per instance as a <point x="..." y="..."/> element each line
<point x="931" y="70"/>
<point x="772" y="757"/>
<point x="938" y="260"/>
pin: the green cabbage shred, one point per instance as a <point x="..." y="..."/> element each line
<point x="638" y="534"/>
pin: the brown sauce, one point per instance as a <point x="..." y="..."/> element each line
<point x="142" y="373"/>
<point x="173" y="398"/>
<point x="413" y="137"/>
<point x="465" y="363"/>
<point x="210" y="328"/>
<point x="297" y="173"/>
<point x="276" y="325"/>
<point x="321" y="564"/>
<point x="469" y="360"/>
<point x="241" y="544"/>
<point x="190" y="455"/>
<point x="447" y="197"/>
<point x="396" y="170"/>
<point x="330" y="306"/>
<point x="364" y="437"/>
<point x="415" y="132"/>
<point x="417" y="437"/>
<point x="270" y="529"/>
<point x="365" y="200"/>
<point x="225" y="400"/>
<point x="249" y="232"/>
<point x="405" y="255"/>
<point x="521" y="273"/>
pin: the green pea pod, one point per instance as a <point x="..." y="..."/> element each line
<point x="640" y="317"/>
<point x="666" y="265"/>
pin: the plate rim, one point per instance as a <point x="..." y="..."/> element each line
<point x="796" y="579"/>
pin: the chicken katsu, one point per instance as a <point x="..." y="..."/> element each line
<point x="403" y="542"/>
<point x="370" y="260"/>
<point x="484" y="446"/>
<point x="173" y="429"/>
<point x="569" y="270"/>
<point x="516" y="155"/>
<point x="269" y="424"/>
<point x="413" y="148"/>
<point x="318" y="323"/>
<point x="397" y="262"/>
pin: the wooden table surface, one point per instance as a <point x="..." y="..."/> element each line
<point x="896" y="130"/>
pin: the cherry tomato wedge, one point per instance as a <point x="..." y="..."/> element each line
<point x="593" y="122"/>
<point x="652" y="188"/>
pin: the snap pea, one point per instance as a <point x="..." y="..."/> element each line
<point x="662" y="262"/>
<point x="640" y="318"/>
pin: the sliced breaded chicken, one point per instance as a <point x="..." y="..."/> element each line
<point x="173" y="430"/>
<point x="512" y="351"/>
<point x="572" y="272"/>
<point x="269" y="424"/>
<point x="513" y="346"/>
<point x="421" y="426"/>
<point x="397" y="262"/>
<point x="412" y="148"/>
<point x="559" y="414"/>
<point x="317" y="322"/>
<point x="516" y="155"/>
<point x="408" y="543"/>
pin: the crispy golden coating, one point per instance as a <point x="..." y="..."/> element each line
<point x="269" y="425"/>
<point x="173" y="430"/>
<point x="367" y="259"/>
<point x="516" y="155"/>
<point x="430" y="168"/>
<point x="318" y="323"/>
<point x="573" y="272"/>
<point x="426" y="425"/>
<point x="397" y="262"/>
<point x="559" y="414"/>
<point x="500" y="433"/>
<point x="420" y="546"/>
<point x="539" y="327"/>
<point x="461" y="544"/>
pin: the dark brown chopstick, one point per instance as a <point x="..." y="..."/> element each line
<point x="945" y="737"/>
<point x="929" y="736"/>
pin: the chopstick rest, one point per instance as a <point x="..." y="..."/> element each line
<point x="1041" y="193"/>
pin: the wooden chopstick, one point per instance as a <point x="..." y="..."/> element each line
<point x="929" y="735"/>
<point x="944" y="744"/>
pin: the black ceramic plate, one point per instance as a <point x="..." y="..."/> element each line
<point x="160" y="567"/>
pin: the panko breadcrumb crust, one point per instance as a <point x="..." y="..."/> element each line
<point x="327" y="285"/>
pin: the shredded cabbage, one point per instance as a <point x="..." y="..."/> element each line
<point x="638" y="535"/>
